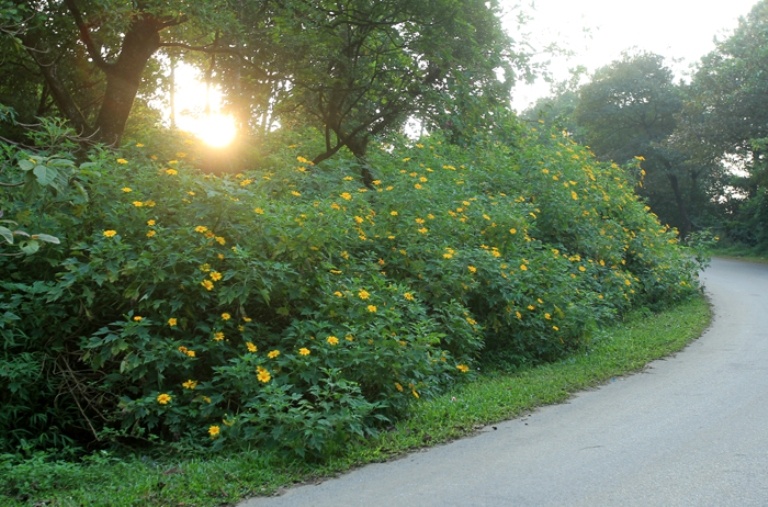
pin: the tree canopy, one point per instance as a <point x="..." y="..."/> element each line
<point x="353" y="68"/>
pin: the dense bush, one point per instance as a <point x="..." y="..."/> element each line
<point x="291" y="306"/>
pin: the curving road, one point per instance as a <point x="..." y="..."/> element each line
<point x="690" y="431"/>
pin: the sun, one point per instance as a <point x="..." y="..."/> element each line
<point x="214" y="129"/>
<point x="197" y="109"/>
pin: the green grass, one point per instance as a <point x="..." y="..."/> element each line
<point x="220" y="480"/>
<point x="736" y="251"/>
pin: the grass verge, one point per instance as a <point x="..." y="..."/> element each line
<point x="104" y="479"/>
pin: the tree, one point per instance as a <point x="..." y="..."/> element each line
<point x="91" y="57"/>
<point x="628" y="110"/>
<point x="728" y="119"/>
<point x="361" y="68"/>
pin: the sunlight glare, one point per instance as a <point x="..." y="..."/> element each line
<point x="199" y="110"/>
<point x="215" y="129"/>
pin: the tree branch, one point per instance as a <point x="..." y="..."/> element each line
<point x="85" y="36"/>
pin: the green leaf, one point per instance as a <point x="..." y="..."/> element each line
<point x="45" y="175"/>
<point x="7" y="234"/>
<point x="47" y="238"/>
<point x="29" y="246"/>
<point x="26" y="165"/>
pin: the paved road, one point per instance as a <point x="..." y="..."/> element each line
<point x="690" y="431"/>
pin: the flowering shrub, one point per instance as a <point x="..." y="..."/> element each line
<point x="292" y="307"/>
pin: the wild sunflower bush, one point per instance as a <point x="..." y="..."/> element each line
<point x="292" y="307"/>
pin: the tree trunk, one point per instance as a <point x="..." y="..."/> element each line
<point x="685" y="221"/>
<point x="124" y="77"/>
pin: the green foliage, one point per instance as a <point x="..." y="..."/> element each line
<point x="727" y="127"/>
<point x="293" y="309"/>
<point x="105" y="478"/>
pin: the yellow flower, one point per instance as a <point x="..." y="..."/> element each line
<point x="295" y="193"/>
<point x="463" y="368"/>
<point x="189" y="384"/>
<point x="163" y="399"/>
<point x="201" y="229"/>
<point x="172" y="322"/>
<point x="346" y="196"/>
<point x="225" y="316"/>
<point x="109" y="233"/>
<point x="423" y="230"/>
<point x="263" y="375"/>
<point x="171" y="172"/>
<point x="304" y="351"/>
<point x="393" y="213"/>
<point x="251" y="347"/>
<point x="417" y="186"/>
<point x="215" y="276"/>
<point x="556" y="328"/>
<point x="338" y="294"/>
<point x="548" y="316"/>
<point x="574" y="196"/>
<point x="139" y="145"/>
<point x="518" y="315"/>
<point x="415" y="394"/>
<point x="246" y="182"/>
<point x="273" y="354"/>
<point x="398" y="386"/>
<point x="471" y="321"/>
<point x="121" y="161"/>
<point x="150" y="203"/>
<point x="472" y="269"/>
<point x="408" y="296"/>
<point x="372" y="308"/>
<point x="138" y="204"/>
<point x="531" y="307"/>
<point x="207" y="284"/>
<point x="218" y="336"/>
<point x="151" y="234"/>
<point x="303" y="160"/>
<point x="332" y="340"/>
<point x="190" y="353"/>
<point x="205" y="267"/>
<point x="127" y="189"/>
<point x="258" y="211"/>
<point x="221" y="240"/>
<point x="151" y="223"/>
<point x="513" y="231"/>
<point x="363" y="294"/>
<point x="214" y="431"/>
<point x="359" y="220"/>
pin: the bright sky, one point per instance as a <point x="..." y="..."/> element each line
<point x="597" y="31"/>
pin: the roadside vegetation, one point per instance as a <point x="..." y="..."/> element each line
<point x="189" y="325"/>
<point x="498" y="393"/>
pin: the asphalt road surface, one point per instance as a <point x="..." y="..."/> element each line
<point x="692" y="430"/>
